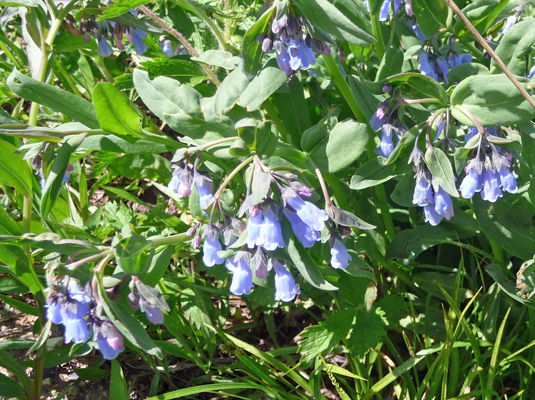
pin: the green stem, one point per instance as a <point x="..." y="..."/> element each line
<point x="214" y="143"/>
<point x="208" y="21"/>
<point x="99" y="61"/>
<point x="169" y="240"/>
<point x="385" y="211"/>
<point x="497" y="251"/>
<point x="344" y="88"/>
<point x="67" y="77"/>
<point x="229" y="178"/>
<point x="377" y="32"/>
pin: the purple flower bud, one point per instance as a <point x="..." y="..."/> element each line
<point x="304" y="233"/>
<point x="306" y="211"/>
<point x="210" y="249"/>
<point x="154" y="314"/>
<point x="491" y="186"/>
<point x="109" y="340"/>
<point x="260" y="267"/>
<point x="508" y="180"/>
<point x="380" y="115"/>
<point x="104" y="48"/>
<point x="423" y="193"/>
<point x="509" y="23"/>
<point x="383" y="14"/>
<point x="133" y="299"/>
<point x="242" y="279"/>
<point x="443" y="204"/>
<point x="339" y="255"/>
<point x="285" y="287"/>
<point x="408" y="8"/>
<point x="440" y="125"/>
<point x="278" y="24"/>
<point x="472" y="183"/>
<point x="270" y="236"/>
<point x="267" y="45"/>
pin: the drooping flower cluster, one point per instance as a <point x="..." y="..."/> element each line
<point x="184" y="176"/>
<point x="392" y="130"/>
<point x="148" y="300"/>
<point x="436" y="66"/>
<point x="110" y="33"/>
<point x="489" y="170"/>
<point x="294" y="50"/>
<point x="513" y="19"/>
<point x="249" y="246"/>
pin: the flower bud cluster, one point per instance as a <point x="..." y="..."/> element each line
<point x="185" y="176"/>
<point x="293" y="49"/>
<point x="392" y="130"/>
<point x="488" y="171"/>
<point x="437" y="204"/>
<point x="436" y="66"/>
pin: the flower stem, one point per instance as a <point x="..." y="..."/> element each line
<point x="328" y="202"/>
<point x="229" y="178"/>
<point x="491" y="52"/>
<point x="214" y="143"/>
<point x="169" y="240"/>
<point x="187" y="45"/>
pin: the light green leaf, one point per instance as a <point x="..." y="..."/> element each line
<point x="440" y="167"/>
<point x="14" y="171"/>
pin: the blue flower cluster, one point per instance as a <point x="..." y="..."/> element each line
<point x="70" y="305"/>
<point x="293" y="49"/>
<point x="437" y="66"/>
<point x="392" y="130"/>
<point x="263" y="234"/>
<point x="184" y="176"/>
<point x="437" y="204"/>
<point x="486" y="173"/>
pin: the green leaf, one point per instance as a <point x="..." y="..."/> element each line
<point x="322" y="338"/>
<point x="19" y="305"/>
<point x="347" y="218"/>
<point x="343" y="146"/>
<point x="304" y="263"/>
<point x="506" y="224"/>
<point x="131" y="256"/>
<point x="514" y="46"/>
<point x="91" y="374"/>
<point x="377" y="171"/>
<point x="261" y="87"/>
<point x="32" y="132"/>
<point x="55" y="177"/>
<point x="59" y="100"/>
<point x="142" y="166"/>
<point x="317" y="133"/>
<point x="12" y="344"/>
<point x="430" y="14"/>
<point x="120" y="7"/>
<point x="391" y="63"/>
<point x="213" y="388"/>
<point x="492" y="99"/>
<point x="463" y="71"/>
<point x="367" y="331"/>
<point x="252" y="50"/>
<point x="9" y="388"/>
<point x="118" y="144"/>
<point x="328" y="18"/>
<point x="419" y="87"/>
<point x="65" y="354"/>
<point x="115" y="112"/>
<point x="481" y="14"/>
<point x="118" y="387"/>
<point x="182" y="70"/>
<point x="159" y="264"/>
<point x="440" y="167"/>
<point x="230" y="91"/>
<point x="219" y="58"/>
<point x="14" y="171"/>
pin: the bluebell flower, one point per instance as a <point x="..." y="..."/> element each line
<point x="444" y="67"/>
<point x="508" y="24"/>
<point x="383" y="13"/>
<point x="136" y="36"/>
<point x="423" y="193"/>
<point x="443" y="204"/>
<point x="205" y="194"/>
<point x="70" y="307"/>
<point x="285" y="287"/>
<point x="431" y="215"/>
<point x="380" y="116"/>
<point x="387" y="145"/>
<point x="470" y="133"/>
<point x="459" y="59"/>
<point x="304" y="233"/>
<point x="339" y="255"/>
<point x="283" y="58"/>
<point x="110" y="341"/>
<point x="427" y="68"/>
<point x="491" y="186"/>
<point x="440" y="125"/>
<point x="472" y="183"/>
<point x="167" y="48"/>
<point x="104" y="48"/>
<point x="210" y="249"/>
<point x="309" y="213"/>
<point x="154" y="314"/>
<point x="397" y="6"/>
<point x="270" y="236"/>
<point x="301" y="56"/>
<point x="415" y="28"/>
<point x="242" y="278"/>
<point x="507" y="180"/>
<point x="254" y="224"/>
<point x="181" y="181"/>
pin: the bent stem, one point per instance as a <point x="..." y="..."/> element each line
<point x="214" y="143"/>
<point x="328" y="202"/>
<point x="489" y="50"/>
<point x="229" y="178"/>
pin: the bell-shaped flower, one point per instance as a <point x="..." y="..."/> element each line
<point x="509" y="23"/>
<point x="136" y="36"/>
<point x="427" y="67"/>
<point x="104" y="48"/>
<point x="383" y="13"/>
<point x="415" y="28"/>
<point x="387" y="145"/>
<point x="304" y="233"/>
<point x="205" y="194"/>
<point x="491" y="186"/>
<point x="444" y="67"/>
<point x="254" y="224"/>
<point x="154" y="313"/>
<point x="508" y="180"/>
<point x="167" y="48"/>
<point x="301" y="56"/>
<point x="210" y="249"/>
<point x="431" y="215"/>
<point x="380" y="116"/>
<point x="339" y="255"/>
<point x="309" y="213"/>
<point x="283" y="58"/>
<point x="443" y="204"/>
<point x="270" y="236"/>
<point x="472" y="183"/>
<point x="285" y="287"/>
<point x="423" y="193"/>
<point x="242" y="278"/>
<point x="110" y="341"/>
